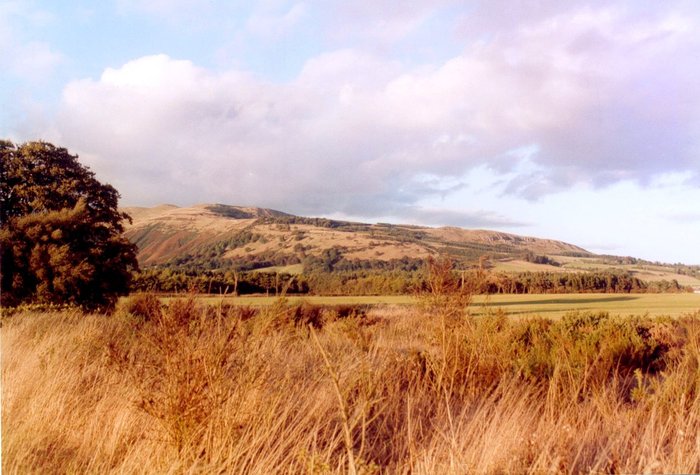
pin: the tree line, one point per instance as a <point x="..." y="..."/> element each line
<point x="390" y="282"/>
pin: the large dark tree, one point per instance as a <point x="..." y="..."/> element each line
<point x="60" y="230"/>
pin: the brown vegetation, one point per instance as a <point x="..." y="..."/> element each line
<point x="344" y="258"/>
<point x="166" y="232"/>
<point x="307" y="389"/>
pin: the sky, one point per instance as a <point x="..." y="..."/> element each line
<point x="562" y="119"/>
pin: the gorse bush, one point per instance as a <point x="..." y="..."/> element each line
<point x="577" y="355"/>
<point x="308" y="389"/>
<point x="586" y="342"/>
<point x="146" y="306"/>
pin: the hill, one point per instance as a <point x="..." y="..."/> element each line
<point x="217" y="237"/>
<point x="244" y="235"/>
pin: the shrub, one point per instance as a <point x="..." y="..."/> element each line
<point x="183" y="365"/>
<point x="144" y="306"/>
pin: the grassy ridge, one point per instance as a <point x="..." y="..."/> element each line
<point x="224" y="237"/>
<point x="303" y="389"/>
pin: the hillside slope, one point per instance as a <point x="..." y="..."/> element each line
<point x="223" y="236"/>
<point x="215" y="237"/>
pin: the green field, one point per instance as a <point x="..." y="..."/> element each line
<point x="556" y="305"/>
<point x="259" y="300"/>
<point x="546" y="305"/>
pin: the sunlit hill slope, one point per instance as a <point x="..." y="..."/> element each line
<point x="242" y="235"/>
<point x="217" y="237"/>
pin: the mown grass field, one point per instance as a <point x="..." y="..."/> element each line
<point x="547" y="305"/>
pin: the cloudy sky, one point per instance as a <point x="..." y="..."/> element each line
<point x="572" y="120"/>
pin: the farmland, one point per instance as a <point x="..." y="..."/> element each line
<point x="548" y="305"/>
<point x="643" y="271"/>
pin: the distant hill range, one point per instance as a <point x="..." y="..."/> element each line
<point x="167" y="232"/>
<point x="220" y="237"/>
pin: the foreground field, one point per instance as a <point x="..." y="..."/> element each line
<point x="549" y="305"/>
<point x="303" y="389"/>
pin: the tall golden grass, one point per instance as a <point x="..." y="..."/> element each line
<point x="300" y="389"/>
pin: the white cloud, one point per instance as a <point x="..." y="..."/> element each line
<point x="586" y="92"/>
<point x="232" y="137"/>
<point x="560" y="98"/>
<point x="397" y="111"/>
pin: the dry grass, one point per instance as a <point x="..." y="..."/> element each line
<point x="188" y="389"/>
<point x="173" y="231"/>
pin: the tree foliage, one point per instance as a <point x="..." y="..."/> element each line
<point x="60" y="230"/>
